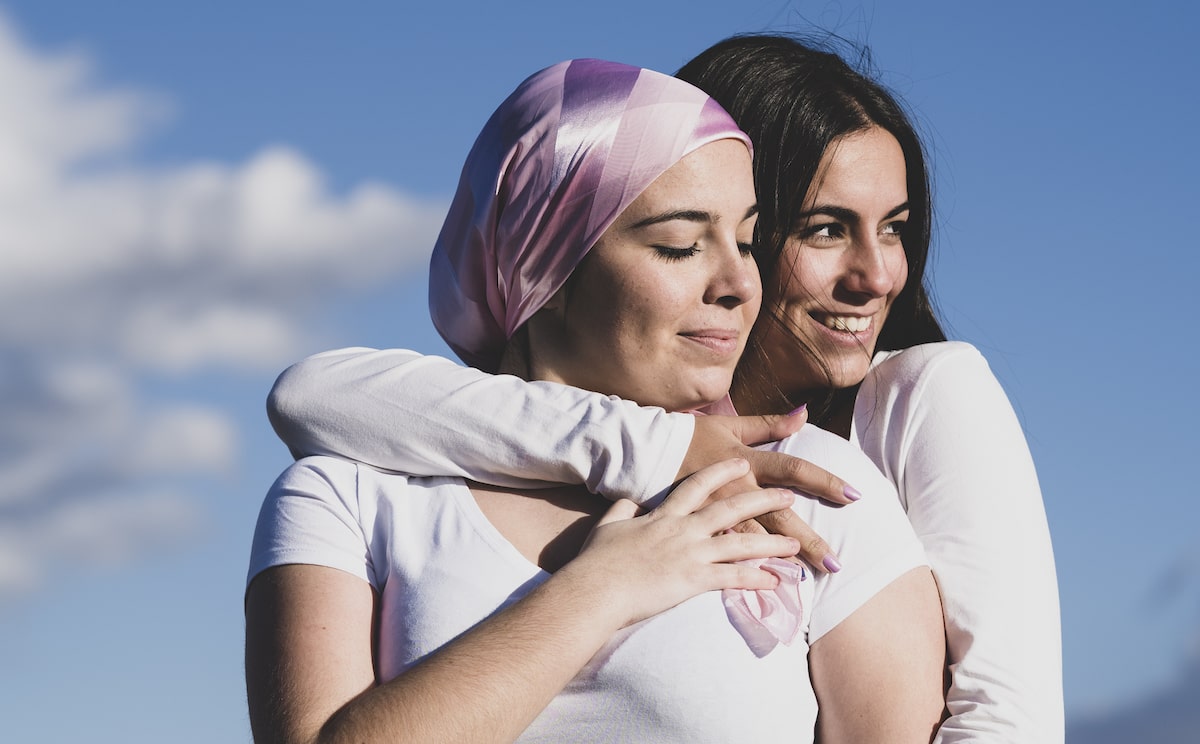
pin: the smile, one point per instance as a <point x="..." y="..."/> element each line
<point x="845" y="323"/>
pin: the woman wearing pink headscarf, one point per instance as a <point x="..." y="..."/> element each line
<point x="597" y="239"/>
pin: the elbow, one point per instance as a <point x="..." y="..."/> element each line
<point x="278" y="400"/>
<point x="284" y="410"/>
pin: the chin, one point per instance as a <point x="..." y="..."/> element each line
<point x="704" y="397"/>
<point x="849" y="374"/>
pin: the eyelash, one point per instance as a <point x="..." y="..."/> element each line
<point x="667" y="253"/>
<point x="837" y="231"/>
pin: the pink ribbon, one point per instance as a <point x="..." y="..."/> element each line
<point x="767" y="617"/>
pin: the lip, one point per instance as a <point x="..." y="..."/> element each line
<point x="857" y="338"/>
<point x="723" y="341"/>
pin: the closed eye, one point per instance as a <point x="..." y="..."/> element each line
<point x="670" y="253"/>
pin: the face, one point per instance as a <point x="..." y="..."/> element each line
<point x="659" y="310"/>
<point x="842" y="267"/>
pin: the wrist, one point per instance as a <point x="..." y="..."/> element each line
<point x="592" y="594"/>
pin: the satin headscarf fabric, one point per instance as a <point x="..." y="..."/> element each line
<point x="558" y="161"/>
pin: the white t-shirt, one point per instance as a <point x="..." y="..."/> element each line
<point x="686" y="675"/>
<point x="933" y="418"/>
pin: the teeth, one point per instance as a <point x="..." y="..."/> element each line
<point x="848" y="323"/>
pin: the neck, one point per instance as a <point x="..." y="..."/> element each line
<point x="832" y="410"/>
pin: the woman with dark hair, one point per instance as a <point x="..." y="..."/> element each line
<point x="847" y="326"/>
<point x="385" y="607"/>
<point x="842" y="242"/>
<point x="803" y="101"/>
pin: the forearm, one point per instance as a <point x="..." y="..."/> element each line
<point x="311" y="678"/>
<point x="489" y="684"/>
<point x="401" y="411"/>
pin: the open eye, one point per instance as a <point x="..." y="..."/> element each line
<point x="675" y="254"/>
<point x="825" y="232"/>
<point x="895" y="227"/>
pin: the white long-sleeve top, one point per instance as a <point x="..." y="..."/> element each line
<point x="933" y="418"/>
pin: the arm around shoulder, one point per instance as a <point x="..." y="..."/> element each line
<point x="425" y="415"/>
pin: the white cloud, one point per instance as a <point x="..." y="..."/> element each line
<point x="180" y="439"/>
<point x="175" y="339"/>
<point x="112" y="271"/>
<point x="102" y="530"/>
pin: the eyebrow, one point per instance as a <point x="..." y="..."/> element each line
<point x="689" y="215"/>
<point x="844" y="214"/>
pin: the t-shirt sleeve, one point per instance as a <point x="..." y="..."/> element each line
<point x="872" y="537"/>
<point x="425" y="415"/>
<point x="312" y="515"/>
<point x="937" y="421"/>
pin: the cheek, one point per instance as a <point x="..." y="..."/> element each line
<point x="807" y="276"/>
<point x="632" y="318"/>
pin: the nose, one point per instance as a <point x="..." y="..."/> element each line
<point x="873" y="266"/>
<point x="734" y="280"/>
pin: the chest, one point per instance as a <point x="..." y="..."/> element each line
<point x="685" y="675"/>
<point x="548" y="531"/>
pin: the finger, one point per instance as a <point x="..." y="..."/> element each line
<point x="733" y="546"/>
<point x="813" y="549"/>
<point x="739" y="576"/>
<point x="754" y="527"/>
<point x="620" y="510"/>
<point x="760" y="429"/>
<point x="738" y="485"/>
<point x="750" y="527"/>
<point x="696" y="489"/>
<point x="723" y="515"/>
<point x="779" y="469"/>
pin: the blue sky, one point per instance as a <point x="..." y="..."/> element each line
<point x="194" y="195"/>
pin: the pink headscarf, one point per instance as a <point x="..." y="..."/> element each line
<point x="561" y="158"/>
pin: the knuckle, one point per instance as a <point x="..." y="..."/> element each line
<point x="801" y="469"/>
<point x="784" y="518"/>
<point x="815" y="546"/>
<point x="745" y="527"/>
<point x="746" y="576"/>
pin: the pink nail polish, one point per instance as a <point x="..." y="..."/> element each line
<point x="831" y="564"/>
<point x="852" y="493"/>
<point x="799" y="410"/>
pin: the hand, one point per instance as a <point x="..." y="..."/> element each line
<point x="644" y="565"/>
<point x="720" y="437"/>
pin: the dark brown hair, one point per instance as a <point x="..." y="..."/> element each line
<point x="794" y="100"/>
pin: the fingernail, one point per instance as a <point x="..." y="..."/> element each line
<point x="799" y="410"/>
<point x="831" y="564"/>
<point x="852" y="493"/>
